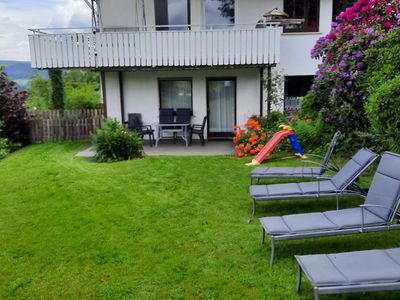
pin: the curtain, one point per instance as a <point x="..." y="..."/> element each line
<point x="176" y="94"/>
<point x="221" y="103"/>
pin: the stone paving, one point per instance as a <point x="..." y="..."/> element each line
<point x="178" y="148"/>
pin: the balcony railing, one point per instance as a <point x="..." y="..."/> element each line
<point x="149" y="49"/>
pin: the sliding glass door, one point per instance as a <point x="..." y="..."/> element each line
<point x="172" y="12"/>
<point x="221" y="102"/>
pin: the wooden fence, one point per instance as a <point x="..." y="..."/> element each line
<point x="67" y="125"/>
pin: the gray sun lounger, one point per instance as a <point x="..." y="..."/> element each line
<point x="376" y="214"/>
<point x="299" y="172"/>
<point x="340" y="185"/>
<point x="351" y="272"/>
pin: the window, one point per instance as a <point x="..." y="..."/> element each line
<point x="219" y="12"/>
<point x="304" y="15"/>
<point x="296" y="87"/>
<point x="175" y="93"/>
<point x="172" y="12"/>
<point x="339" y="6"/>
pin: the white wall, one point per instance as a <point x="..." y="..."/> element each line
<point x="250" y="11"/>
<point x="118" y="13"/>
<point x="141" y="92"/>
<point x="112" y="93"/>
<point x="296" y="47"/>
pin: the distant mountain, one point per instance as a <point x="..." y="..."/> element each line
<point x="21" y="72"/>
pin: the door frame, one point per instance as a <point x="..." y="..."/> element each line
<point x="220" y="134"/>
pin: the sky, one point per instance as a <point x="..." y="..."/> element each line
<point x="17" y="16"/>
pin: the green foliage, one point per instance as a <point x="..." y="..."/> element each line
<point x="115" y="142"/>
<point x="39" y="94"/>
<point x="383" y="62"/>
<point x="57" y="89"/>
<point x="383" y="110"/>
<point x="307" y="135"/>
<point x="310" y="106"/>
<point x="81" y="90"/>
<point x="273" y="120"/>
<point x="4" y="144"/>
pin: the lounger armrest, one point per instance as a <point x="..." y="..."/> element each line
<point x="364" y="206"/>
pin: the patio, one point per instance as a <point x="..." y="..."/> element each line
<point x="177" y="148"/>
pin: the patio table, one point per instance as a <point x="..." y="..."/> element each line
<point x="180" y="130"/>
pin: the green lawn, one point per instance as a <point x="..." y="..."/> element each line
<point x="157" y="228"/>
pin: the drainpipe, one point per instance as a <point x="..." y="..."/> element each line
<point x="269" y="89"/>
<point x="121" y="94"/>
<point x="261" y="91"/>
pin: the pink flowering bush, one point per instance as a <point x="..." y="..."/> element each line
<point x="337" y="92"/>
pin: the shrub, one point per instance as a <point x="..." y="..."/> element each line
<point x="338" y="90"/>
<point x="12" y="111"/>
<point x="273" y="120"/>
<point x="308" y="134"/>
<point x="5" y="146"/>
<point x="383" y="111"/>
<point x="114" y="142"/>
<point x="258" y="131"/>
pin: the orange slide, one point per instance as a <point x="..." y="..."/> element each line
<point x="270" y="146"/>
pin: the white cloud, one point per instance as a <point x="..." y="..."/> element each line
<point x="71" y="13"/>
<point x="17" y="17"/>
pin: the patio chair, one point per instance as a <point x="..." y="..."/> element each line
<point x="376" y="214"/>
<point x="183" y="115"/>
<point x="299" y="172"/>
<point x="135" y="124"/>
<point x="342" y="184"/>
<point x="351" y="272"/>
<point x="199" y="130"/>
<point x="166" y="116"/>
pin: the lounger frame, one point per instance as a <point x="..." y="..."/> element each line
<point x="349" y="190"/>
<point x="327" y="164"/>
<point x="354" y="230"/>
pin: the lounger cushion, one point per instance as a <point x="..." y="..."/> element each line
<point x="353" y="168"/>
<point x="351" y="268"/>
<point x="385" y="186"/>
<point x="287" y="171"/>
<point x="288" y="190"/>
<point x="312" y="222"/>
<point x="351" y="217"/>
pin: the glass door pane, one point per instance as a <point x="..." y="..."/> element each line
<point x="221" y="106"/>
<point x="172" y="12"/>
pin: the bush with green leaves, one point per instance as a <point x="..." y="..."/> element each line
<point x="5" y="146"/>
<point x="114" y="142"/>
<point x="383" y="111"/>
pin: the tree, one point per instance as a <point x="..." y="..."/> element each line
<point x="12" y="111"/>
<point x="39" y="93"/>
<point x="57" y="86"/>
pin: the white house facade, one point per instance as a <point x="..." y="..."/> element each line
<point x="212" y="56"/>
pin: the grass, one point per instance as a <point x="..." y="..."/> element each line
<point x="157" y="228"/>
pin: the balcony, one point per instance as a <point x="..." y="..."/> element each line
<point x="149" y="48"/>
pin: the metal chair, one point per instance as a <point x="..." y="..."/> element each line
<point x="135" y="124"/>
<point x="199" y="130"/>
<point x="166" y="116"/>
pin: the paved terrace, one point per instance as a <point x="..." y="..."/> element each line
<point x="178" y="148"/>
